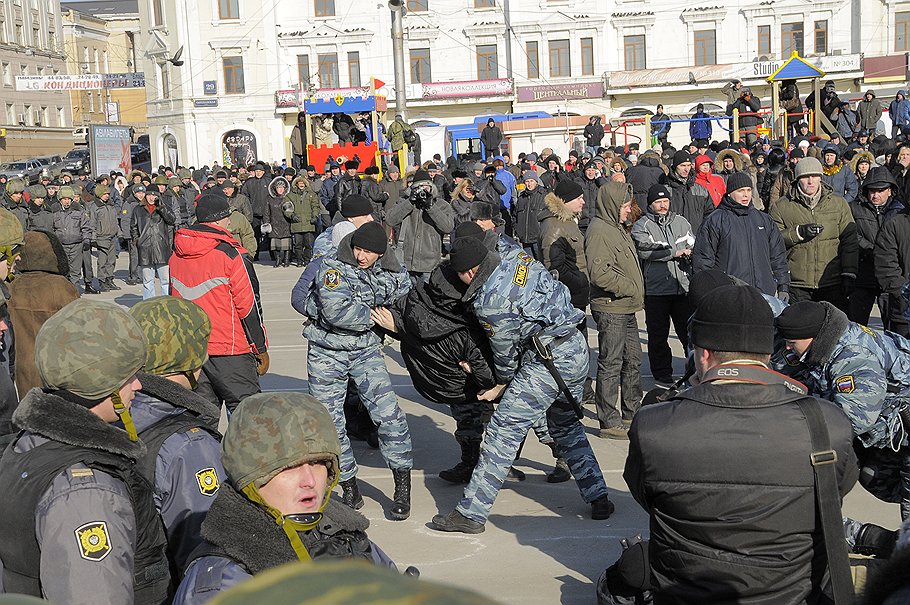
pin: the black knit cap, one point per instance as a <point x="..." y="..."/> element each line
<point x="370" y="236"/>
<point x="801" y="320"/>
<point x="466" y="254"/>
<point x="681" y="157"/>
<point x="468" y="229"/>
<point x="705" y="282"/>
<point x="211" y="207"/>
<point x="567" y="190"/>
<point x="738" y="180"/>
<point x="735" y="319"/>
<point x="658" y="192"/>
<point x="356" y="205"/>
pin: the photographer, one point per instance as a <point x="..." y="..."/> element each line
<point x="420" y="219"/>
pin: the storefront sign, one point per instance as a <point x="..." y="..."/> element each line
<point x="473" y="88"/>
<point x="83" y="82"/>
<point x="580" y="90"/>
<point x="205" y="102"/>
<point x="828" y="64"/>
<point x="110" y="147"/>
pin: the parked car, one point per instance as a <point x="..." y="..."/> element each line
<point x="76" y="159"/>
<point x="53" y="164"/>
<point x="27" y="169"/>
<point x="140" y="153"/>
<point x="80" y="135"/>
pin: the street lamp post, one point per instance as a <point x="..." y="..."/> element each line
<point x="401" y="102"/>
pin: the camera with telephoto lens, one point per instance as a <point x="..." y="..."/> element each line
<point x="422" y="198"/>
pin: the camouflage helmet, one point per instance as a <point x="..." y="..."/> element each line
<point x="11" y="233"/>
<point x="341" y="582"/>
<point x="90" y="348"/>
<point x="15" y="185"/>
<point x="183" y="173"/>
<point x="66" y="192"/>
<point x="102" y="190"/>
<point x="160" y="180"/>
<point x="177" y="331"/>
<point x="174" y="182"/>
<point x="271" y="432"/>
<point x="37" y="191"/>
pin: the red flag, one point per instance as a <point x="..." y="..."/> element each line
<point x="378" y="83"/>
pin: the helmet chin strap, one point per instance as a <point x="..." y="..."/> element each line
<point x="292" y="525"/>
<point x="125" y="417"/>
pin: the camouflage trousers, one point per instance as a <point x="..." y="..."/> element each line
<point x="529" y="397"/>
<point x="328" y="375"/>
<point x="472" y="417"/>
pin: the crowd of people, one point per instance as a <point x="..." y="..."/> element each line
<point x="766" y="259"/>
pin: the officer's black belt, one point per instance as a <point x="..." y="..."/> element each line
<point x="545" y="355"/>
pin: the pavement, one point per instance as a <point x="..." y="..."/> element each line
<point x="540" y="545"/>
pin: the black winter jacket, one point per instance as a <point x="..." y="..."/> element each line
<point x="590" y="187"/>
<point x="745" y="243"/>
<point x="643" y="176"/>
<point x="527" y="215"/>
<point x="731" y="494"/>
<point x="437" y="331"/>
<point x="257" y="190"/>
<point x="688" y="199"/>
<point x="153" y="233"/>
<point x="869" y="220"/>
<point x="892" y="252"/>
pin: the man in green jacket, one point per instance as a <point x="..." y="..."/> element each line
<point x="820" y="235"/>
<point x="617" y="293"/>
<point x="307" y="210"/>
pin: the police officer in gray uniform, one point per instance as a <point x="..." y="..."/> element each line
<point x="178" y="427"/>
<point x="518" y="303"/>
<point x="79" y="524"/>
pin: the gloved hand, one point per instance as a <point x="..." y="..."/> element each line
<point x="86" y="246"/>
<point x="783" y="296"/>
<point x="848" y="282"/>
<point x="262" y="363"/>
<point x="809" y="231"/>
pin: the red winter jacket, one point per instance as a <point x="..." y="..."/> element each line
<point x="207" y="267"/>
<point x="712" y="182"/>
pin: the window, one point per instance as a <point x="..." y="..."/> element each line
<point x="705" y="47"/>
<point x="560" y="62"/>
<point x="7" y="74"/>
<point x="36" y="38"/>
<point x="165" y="79"/>
<point x="23" y="70"/>
<point x="354" y="68"/>
<point x="19" y="39"/>
<point x="158" y="12"/>
<point x="328" y="71"/>
<point x="61" y="117"/>
<point x="634" y="51"/>
<point x="29" y="116"/>
<point x="587" y="56"/>
<point x="764" y="40"/>
<point x="105" y="61"/>
<point x="40" y="70"/>
<point x="821" y="37"/>
<point x="421" y="6"/>
<point x="303" y="70"/>
<point x="420" y="65"/>
<point x="325" y="8"/>
<point x="96" y="56"/>
<point x="902" y="32"/>
<point x="533" y="60"/>
<point x="42" y="116"/>
<point x="10" y="113"/>
<point x="484" y="3"/>
<point x="228" y="9"/>
<point x="2" y="31"/>
<point x="791" y="39"/>
<point x="233" y="75"/>
<point x="487" y="62"/>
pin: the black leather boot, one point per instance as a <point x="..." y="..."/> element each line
<point x="460" y="474"/>
<point x="602" y="508"/>
<point x="560" y="472"/>
<point x="401" y="507"/>
<point x="456" y="522"/>
<point x="875" y="541"/>
<point x="350" y="493"/>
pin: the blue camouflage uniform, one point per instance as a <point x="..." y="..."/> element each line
<point x="515" y="298"/>
<point x="342" y="344"/>
<point x="866" y="373"/>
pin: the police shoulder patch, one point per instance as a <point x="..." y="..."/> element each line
<point x="332" y="279"/>
<point x="525" y="258"/>
<point x="94" y="543"/>
<point x="521" y="276"/>
<point x="207" y="479"/>
<point x="487" y="328"/>
<point x="845" y="384"/>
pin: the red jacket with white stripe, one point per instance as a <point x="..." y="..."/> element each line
<point x="208" y="268"/>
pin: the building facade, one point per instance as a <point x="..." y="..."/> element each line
<point x="247" y="66"/>
<point x="32" y="123"/>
